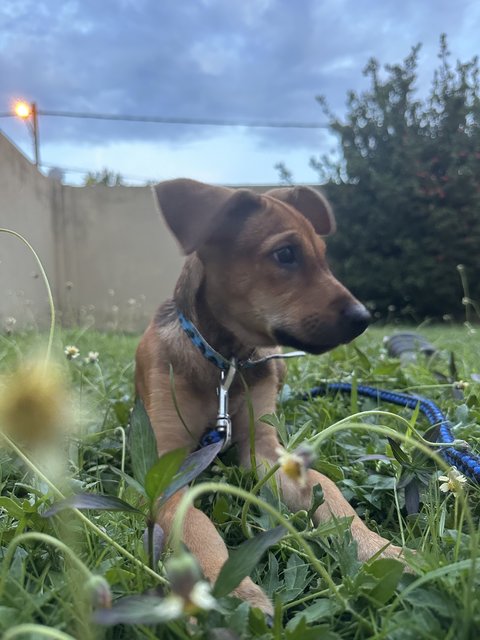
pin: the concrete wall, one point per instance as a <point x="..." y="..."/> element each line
<point x="117" y="259"/>
<point x="25" y="207"/>
<point x="108" y="254"/>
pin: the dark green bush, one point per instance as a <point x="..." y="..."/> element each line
<point x="407" y="192"/>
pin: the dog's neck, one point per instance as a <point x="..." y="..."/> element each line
<point x="191" y="299"/>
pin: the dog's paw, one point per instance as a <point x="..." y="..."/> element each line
<point x="249" y="591"/>
<point x="371" y="544"/>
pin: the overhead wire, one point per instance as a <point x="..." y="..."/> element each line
<point x="212" y="122"/>
<point x="170" y="120"/>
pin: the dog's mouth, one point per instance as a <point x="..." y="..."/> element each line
<point x="352" y="321"/>
<point x="286" y="339"/>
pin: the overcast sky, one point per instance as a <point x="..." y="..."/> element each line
<point x="218" y="59"/>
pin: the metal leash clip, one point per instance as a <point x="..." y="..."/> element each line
<point x="223" y="424"/>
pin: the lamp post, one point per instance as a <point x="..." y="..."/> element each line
<point x="29" y="114"/>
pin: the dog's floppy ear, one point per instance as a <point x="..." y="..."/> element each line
<point x="311" y="203"/>
<point x="195" y="211"/>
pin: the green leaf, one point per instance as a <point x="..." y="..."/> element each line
<point x="143" y="444"/>
<point x="220" y="510"/>
<point x="333" y="471"/>
<point x="302" y="632"/>
<point x="153" y="541"/>
<point x="364" y="361"/>
<point x="8" y="617"/>
<point x="388" y="571"/>
<point x="243" y="560"/>
<point x="277" y="421"/>
<point x="414" y="417"/>
<point x="398" y="453"/>
<point x="295" y="576"/>
<point x="257" y="624"/>
<point x="122" y="411"/>
<point x="440" y="603"/>
<point x="412" y="497"/>
<point x="271" y="583"/>
<point x="163" y="471"/>
<point x="238" y="621"/>
<point x="90" y="501"/>
<point x="134" y="484"/>
<point x="452" y="366"/>
<point x="322" y="608"/>
<point x="11" y="507"/>
<point x="116" y="575"/>
<point x="385" y="368"/>
<point x="298" y="435"/>
<point x="405" y="479"/>
<point x="193" y="466"/>
<point x="316" y="500"/>
<point x="134" y="610"/>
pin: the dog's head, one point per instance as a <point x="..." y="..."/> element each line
<point x="266" y="275"/>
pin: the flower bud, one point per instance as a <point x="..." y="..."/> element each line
<point x="183" y="573"/>
<point x="100" y="592"/>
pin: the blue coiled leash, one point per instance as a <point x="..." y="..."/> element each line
<point x="465" y="461"/>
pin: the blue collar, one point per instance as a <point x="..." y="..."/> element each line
<point x="216" y="358"/>
<point x="223" y="426"/>
<point x="202" y="345"/>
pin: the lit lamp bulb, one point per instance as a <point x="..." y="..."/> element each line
<point x="22" y="110"/>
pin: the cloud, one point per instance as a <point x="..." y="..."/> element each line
<point x="249" y="59"/>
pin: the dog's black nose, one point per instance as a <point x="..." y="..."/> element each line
<point x="355" y="319"/>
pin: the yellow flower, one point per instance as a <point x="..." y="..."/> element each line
<point x="32" y="403"/>
<point x="294" y="464"/>
<point x="71" y="352"/>
<point x="453" y="481"/>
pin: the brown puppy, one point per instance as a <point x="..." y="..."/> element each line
<point x="255" y="278"/>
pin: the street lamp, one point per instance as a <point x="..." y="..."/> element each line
<point x="29" y="114"/>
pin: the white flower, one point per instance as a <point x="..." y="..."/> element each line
<point x="71" y="352"/>
<point x="174" y="606"/>
<point x="453" y="481"/>
<point x="193" y="593"/>
<point x="170" y="608"/>
<point x="201" y="596"/>
<point x="92" y="357"/>
<point x="10" y="323"/>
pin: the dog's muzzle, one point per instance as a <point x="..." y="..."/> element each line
<point x="354" y="320"/>
<point x="351" y="322"/>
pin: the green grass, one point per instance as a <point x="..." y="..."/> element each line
<point x="439" y="599"/>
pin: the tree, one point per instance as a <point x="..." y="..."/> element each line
<point x="407" y="192"/>
<point x="105" y="177"/>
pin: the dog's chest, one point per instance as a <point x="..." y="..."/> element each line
<point x="240" y="393"/>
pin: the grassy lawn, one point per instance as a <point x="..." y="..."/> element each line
<point x="67" y="567"/>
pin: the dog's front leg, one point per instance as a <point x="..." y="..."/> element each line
<point x="203" y="540"/>
<point x="298" y="495"/>
<point x="199" y="534"/>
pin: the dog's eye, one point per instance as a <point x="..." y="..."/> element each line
<point x="286" y="256"/>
